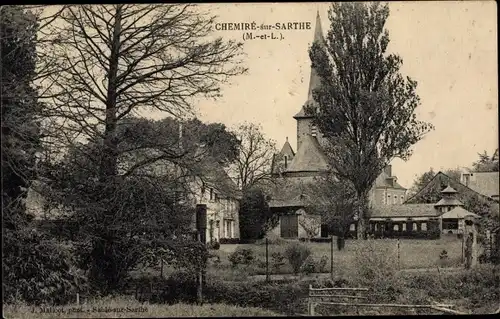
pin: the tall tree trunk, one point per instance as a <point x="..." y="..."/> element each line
<point x="361" y="209"/>
<point x="110" y="154"/>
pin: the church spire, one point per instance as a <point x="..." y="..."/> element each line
<point x="314" y="80"/>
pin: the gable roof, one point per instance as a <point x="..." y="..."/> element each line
<point x="405" y="210"/>
<point x="454" y="183"/>
<point x="309" y="157"/>
<point x="458" y="212"/>
<point x="448" y="202"/>
<point x="485" y="183"/>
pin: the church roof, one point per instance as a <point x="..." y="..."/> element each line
<point x="309" y="157"/>
<point x="314" y="80"/>
<point x="459" y="213"/>
<point x="287" y="149"/>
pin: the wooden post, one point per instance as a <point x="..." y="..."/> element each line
<point x="267" y="260"/>
<point x="331" y="258"/>
<point x="399" y="255"/>
<point x="199" y="291"/>
<point x="161" y="269"/>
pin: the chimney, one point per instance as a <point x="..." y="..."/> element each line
<point x="388" y="170"/>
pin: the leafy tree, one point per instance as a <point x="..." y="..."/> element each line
<point x="364" y="107"/>
<point x="253" y="165"/>
<point x="111" y="62"/>
<point x="36" y="268"/>
<point x="19" y="111"/>
<point x="255" y="216"/>
<point x="487" y="163"/>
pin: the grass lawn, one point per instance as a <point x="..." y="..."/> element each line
<point x="413" y="253"/>
<point x="122" y="307"/>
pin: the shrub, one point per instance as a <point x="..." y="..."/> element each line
<point x="321" y="266"/>
<point x="297" y="254"/>
<point x="215" y="245"/>
<point x="39" y="270"/>
<point x="309" y="266"/>
<point x="277" y="260"/>
<point x="241" y="256"/>
<point x="443" y="255"/>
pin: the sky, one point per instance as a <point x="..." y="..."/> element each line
<point x="449" y="48"/>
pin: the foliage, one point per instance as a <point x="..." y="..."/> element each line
<point x="255" y="215"/>
<point x="375" y="267"/>
<point x="215" y="245"/>
<point x="38" y="269"/>
<point x="108" y="64"/>
<point x="309" y="266"/>
<point x="297" y="254"/>
<point x="487" y="163"/>
<point x="364" y="107"/>
<point x="20" y="108"/>
<point x="335" y="201"/>
<point x="277" y="261"/>
<point x="241" y="256"/>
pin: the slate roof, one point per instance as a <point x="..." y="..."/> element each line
<point x="455" y="184"/>
<point x="309" y="157"/>
<point x="449" y="190"/>
<point x="382" y="182"/>
<point x="449" y="202"/>
<point x="287" y="149"/>
<point x="485" y="183"/>
<point x="458" y="213"/>
<point x="405" y="210"/>
<point x="214" y="175"/>
<point x="314" y="80"/>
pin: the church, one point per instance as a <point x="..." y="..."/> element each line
<point x="300" y="167"/>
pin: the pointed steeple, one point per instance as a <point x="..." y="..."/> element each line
<point x="314" y="80"/>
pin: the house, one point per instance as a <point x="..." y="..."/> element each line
<point x="421" y="219"/>
<point x="294" y="171"/>
<point x="485" y="183"/>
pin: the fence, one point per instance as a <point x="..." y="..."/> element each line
<point x="350" y="297"/>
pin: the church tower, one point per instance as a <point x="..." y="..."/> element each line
<point x="305" y="126"/>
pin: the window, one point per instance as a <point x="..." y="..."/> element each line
<point x="395" y="227"/>
<point x="395" y="199"/>
<point x="228" y="228"/>
<point x="314" y="130"/>
<point x="202" y="191"/>
<point x="388" y="199"/>
<point x="404" y="227"/>
<point x="352" y="227"/>
<point x="216" y="197"/>
<point x="423" y="226"/>
<point x="286" y="161"/>
<point x="402" y="199"/>
<point x="211" y="193"/>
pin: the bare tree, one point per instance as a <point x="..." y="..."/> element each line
<point x="116" y="60"/>
<point x="256" y="153"/>
<point x="109" y="63"/>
